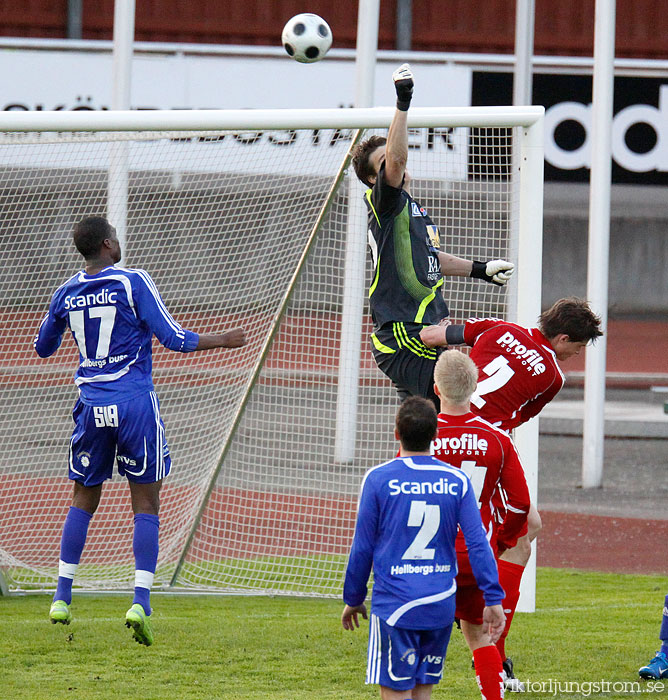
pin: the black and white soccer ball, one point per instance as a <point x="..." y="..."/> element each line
<point x="306" y="37"/>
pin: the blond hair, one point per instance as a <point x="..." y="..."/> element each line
<point x="456" y="376"/>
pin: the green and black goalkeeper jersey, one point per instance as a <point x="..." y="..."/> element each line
<point x="404" y="245"/>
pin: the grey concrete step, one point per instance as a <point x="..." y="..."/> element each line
<point x="642" y="419"/>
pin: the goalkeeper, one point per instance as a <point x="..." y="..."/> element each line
<point x="406" y="292"/>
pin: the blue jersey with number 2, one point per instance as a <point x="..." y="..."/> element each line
<point x="113" y="316"/>
<point x="407" y="520"/>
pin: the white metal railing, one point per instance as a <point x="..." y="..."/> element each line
<point x="633" y="67"/>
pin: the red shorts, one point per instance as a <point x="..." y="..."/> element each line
<point x="470" y="601"/>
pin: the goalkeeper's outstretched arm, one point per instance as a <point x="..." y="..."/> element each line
<point x="396" y="148"/>
<point x="495" y="271"/>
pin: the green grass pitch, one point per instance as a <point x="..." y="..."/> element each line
<point x="589" y="628"/>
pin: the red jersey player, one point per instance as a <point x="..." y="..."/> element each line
<point x="518" y="366"/>
<point x="488" y="456"/>
<point x="519" y="375"/>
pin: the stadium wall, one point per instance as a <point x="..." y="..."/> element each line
<point x="638" y="274"/>
<point x="563" y="27"/>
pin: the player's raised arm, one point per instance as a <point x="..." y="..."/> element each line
<point x="495" y="271"/>
<point x="152" y="310"/>
<point x="446" y="333"/>
<point x="396" y="150"/>
<point x="443" y="335"/>
<point x="235" y="338"/>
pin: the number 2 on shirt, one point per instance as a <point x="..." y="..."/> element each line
<point x="427" y="518"/>
<point x="106" y="314"/>
<point x="499" y="373"/>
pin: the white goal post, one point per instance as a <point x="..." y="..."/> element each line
<point x="241" y="218"/>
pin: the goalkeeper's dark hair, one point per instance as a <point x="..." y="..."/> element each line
<point x="573" y="317"/>
<point x="361" y="154"/>
<point x="90" y="233"/>
<point x="416" y="424"/>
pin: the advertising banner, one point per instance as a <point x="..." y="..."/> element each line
<point x="639" y="127"/>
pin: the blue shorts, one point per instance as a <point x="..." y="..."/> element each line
<point x="401" y="658"/>
<point x="129" y="434"/>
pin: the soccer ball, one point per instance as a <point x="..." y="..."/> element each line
<point x="306" y="37"/>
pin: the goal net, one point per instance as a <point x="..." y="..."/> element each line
<point x="247" y="219"/>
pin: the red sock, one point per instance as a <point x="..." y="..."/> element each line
<point x="510" y="576"/>
<point x="488" y="672"/>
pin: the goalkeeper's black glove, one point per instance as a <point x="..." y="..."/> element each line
<point x="403" y="84"/>
<point x="495" y="271"/>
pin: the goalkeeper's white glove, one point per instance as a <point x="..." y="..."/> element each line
<point x="496" y="271"/>
<point x="403" y="84"/>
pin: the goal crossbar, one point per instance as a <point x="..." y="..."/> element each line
<point x="225" y="120"/>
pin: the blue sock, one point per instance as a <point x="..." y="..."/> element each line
<point x="72" y="543"/>
<point x="145" y="548"/>
<point x="663" y="633"/>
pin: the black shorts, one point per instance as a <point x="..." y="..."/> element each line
<point x="406" y="360"/>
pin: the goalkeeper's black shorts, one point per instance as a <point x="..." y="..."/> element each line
<point x="405" y="359"/>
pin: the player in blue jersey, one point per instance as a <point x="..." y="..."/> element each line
<point x="409" y="512"/>
<point x="407" y="290"/>
<point x="657" y="668"/>
<point x="113" y="313"/>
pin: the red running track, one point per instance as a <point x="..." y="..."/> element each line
<point x="276" y="524"/>
<point x="602" y="543"/>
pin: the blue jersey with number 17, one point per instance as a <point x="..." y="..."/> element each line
<point x="407" y="520"/>
<point x="113" y="316"/>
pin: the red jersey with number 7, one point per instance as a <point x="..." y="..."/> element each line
<point x="489" y="458"/>
<point x="518" y="370"/>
